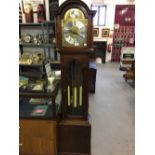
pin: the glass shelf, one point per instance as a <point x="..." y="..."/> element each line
<point x="35" y="45"/>
<point x="32" y="65"/>
<point x="37" y="24"/>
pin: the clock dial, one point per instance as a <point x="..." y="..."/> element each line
<point x="74" y="32"/>
<point x="74" y="29"/>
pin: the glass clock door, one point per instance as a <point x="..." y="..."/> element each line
<point x="75" y="90"/>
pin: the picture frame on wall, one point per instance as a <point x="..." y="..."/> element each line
<point x="95" y="32"/>
<point x="105" y="32"/>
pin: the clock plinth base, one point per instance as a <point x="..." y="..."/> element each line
<point x="74" y="137"/>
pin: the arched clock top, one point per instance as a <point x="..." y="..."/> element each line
<point x="74" y="13"/>
<point x="68" y="4"/>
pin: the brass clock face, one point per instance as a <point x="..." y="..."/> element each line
<point x="74" y="28"/>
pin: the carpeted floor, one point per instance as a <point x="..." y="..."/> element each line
<point x="112" y="110"/>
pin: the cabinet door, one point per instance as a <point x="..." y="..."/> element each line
<point x="38" y="137"/>
<point x="37" y="145"/>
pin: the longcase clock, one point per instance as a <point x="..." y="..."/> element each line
<point x="74" y="41"/>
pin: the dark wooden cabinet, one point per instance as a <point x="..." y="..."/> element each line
<point x="100" y="50"/>
<point x="37" y="137"/>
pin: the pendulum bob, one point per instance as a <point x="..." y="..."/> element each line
<point x="80" y="95"/>
<point x="74" y="138"/>
<point x="69" y="96"/>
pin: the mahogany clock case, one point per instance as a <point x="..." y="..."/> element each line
<point x="74" y="129"/>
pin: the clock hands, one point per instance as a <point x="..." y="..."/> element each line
<point x="75" y="33"/>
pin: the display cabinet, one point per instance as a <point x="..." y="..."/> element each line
<point x="37" y="48"/>
<point x="37" y="137"/>
<point x="123" y="37"/>
<point x="39" y="87"/>
<point x="38" y="37"/>
<point x="124" y="29"/>
<point x="39" y="97"/>
<point x="74" y="41"/>
<point x="38" y="111"/>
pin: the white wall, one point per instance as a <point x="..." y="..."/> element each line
<point x="110" y="14"/>
<point x="119" y="2"/>
<point x="88" y="2"/>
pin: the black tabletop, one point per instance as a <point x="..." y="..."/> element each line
<point x="26" y="108"/>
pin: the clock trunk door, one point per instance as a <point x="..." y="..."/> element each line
<point x="75" y="87"/>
